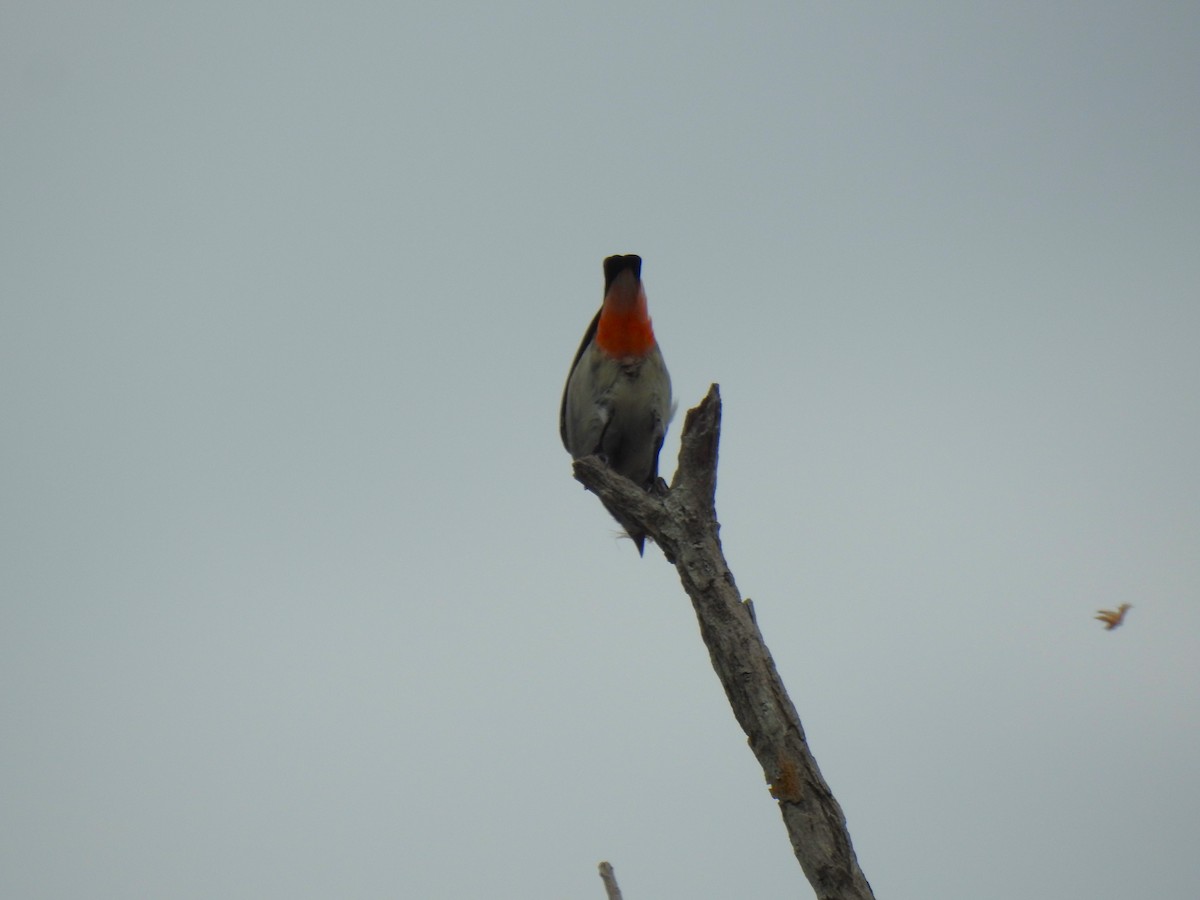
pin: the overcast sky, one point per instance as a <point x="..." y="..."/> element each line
<point x="298" y="598"/>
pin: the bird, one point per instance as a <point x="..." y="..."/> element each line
<point x="617" y="401"/>
<point x="1113" y="617"/>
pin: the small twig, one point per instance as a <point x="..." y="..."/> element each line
<point x="610" y="881"/>
<point x="684" y="524"/>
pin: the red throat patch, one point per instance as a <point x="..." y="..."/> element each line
<point x="624" y="329"/>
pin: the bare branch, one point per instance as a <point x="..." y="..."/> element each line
<point x="684" y="524"/>
<point x="609" y="877"/>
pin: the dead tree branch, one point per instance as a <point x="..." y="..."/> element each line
<point x="609" y="877"/>
<point x="684" y="524"/>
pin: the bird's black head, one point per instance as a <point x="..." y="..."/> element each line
<point x="615" y="265"/>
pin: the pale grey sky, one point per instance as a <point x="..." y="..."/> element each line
<point x="298" y="598"/>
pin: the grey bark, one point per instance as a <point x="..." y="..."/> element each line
<point x="609" y="877"/>
<point x="683" y="522"/>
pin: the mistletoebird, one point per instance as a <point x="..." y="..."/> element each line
<point x="617" y="401"/>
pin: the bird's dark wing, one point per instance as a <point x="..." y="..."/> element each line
<point x="562" y="409"/>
